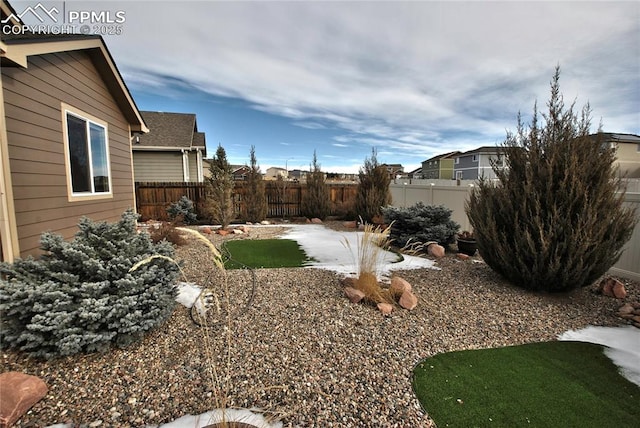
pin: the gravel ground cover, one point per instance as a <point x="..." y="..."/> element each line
<point x="301" y="352"/>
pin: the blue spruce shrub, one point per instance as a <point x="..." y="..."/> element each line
<point x="420" y="223"/>
<point x="184" y="210"/>
<point x="80" y="296"/>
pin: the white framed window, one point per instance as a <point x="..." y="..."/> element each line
<point x="474" y="158"/>
<point x="457" y="160"/>
<point x="86" y="155"/>
<point x="458" y="175"/>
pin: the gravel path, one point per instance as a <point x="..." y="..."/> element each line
<point x="302" y="353"/>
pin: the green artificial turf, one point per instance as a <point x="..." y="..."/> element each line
<point x="264" y="253"/>
<point x="550" y="384"/>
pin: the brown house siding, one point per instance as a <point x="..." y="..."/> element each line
<point x="33" y="98"/>
<point x="157" y="166"/>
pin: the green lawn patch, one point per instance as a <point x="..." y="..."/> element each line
<point x="550" y="384"/>
<point x="264" y="253"/>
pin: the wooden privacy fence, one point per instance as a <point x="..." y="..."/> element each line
<point x="284" y="199"/>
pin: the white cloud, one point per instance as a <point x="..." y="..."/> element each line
<point x="415" y="76"/>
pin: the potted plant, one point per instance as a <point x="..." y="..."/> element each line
<point x="467" y="243"/>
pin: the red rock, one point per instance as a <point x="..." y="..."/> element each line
<point x="436" y="250"/>
<point x="399" y="285"/>
<point x="385" y="308"/>
<point x="463" y="256"/>
<point x="408" y="300"/>
<point x="636" y="318"/>
<point x="316" y="220"/>
<point x="618" y="290"/>
<point x="350" y="224"/>
<point x="353" y="294"/>
<point x="223" y="232"/>
<point x="606" y="287"/>
<point x="18" y="392"/>
<point x="206" y="230"/>
<point x="245" y="229"/>
<point x="625" y="309"/>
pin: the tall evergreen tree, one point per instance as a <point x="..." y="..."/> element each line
<point x="255" y="200"/>
<point x="316" y="202"/>
<point x="373" y="189"/>
<point x="220" y="187"/>
<point x="554" y="220"/>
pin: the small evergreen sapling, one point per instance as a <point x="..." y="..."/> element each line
<point x="316" y="202"/>
<point x="80" y="296"/>
<point x="373" y="189"/>
<point x="183" y="210"/>
<point x="255" y="198"/>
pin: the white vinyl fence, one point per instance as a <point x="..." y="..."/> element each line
<point x="452" y="195"/>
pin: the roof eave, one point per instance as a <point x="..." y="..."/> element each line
<point x="18" y="51"/>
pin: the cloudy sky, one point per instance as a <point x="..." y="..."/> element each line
<point x="410" y="79"/>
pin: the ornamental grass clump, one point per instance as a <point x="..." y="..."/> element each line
<point x="81" y="296"/>
<point x="555" y="219"/>
<point x="368" y="258"/>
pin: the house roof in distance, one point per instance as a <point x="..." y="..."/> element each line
<point x="171" y="131"/>
<point x="444" y="156"/>
<point x="622" y="138"/>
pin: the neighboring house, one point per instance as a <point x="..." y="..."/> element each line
<point x="416" y="173"/>
<point x="240" y="172"/>
<point x="299" y="175"/>
<point x="172" y="150"/>
<point x="275" y="172"/>
<point x="476" y="163"/>
<point x="439" y="167"/>
<point x="66" y="123"/>
<point x="394" y="169"/>
<point x="627" y="152"/>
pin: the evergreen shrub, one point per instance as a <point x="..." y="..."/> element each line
<point x="373" y="189"/>
<point x="316" y="201"/>
<point x="420" y="223"/>
<point x="554" y="220"/>
<point x="254" y="195"/>
<point x="80" y="296"/>
<point x="183" y="211"/>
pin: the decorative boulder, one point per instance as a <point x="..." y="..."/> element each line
<point x="265" y="222"/>
<point x="350" y="224"/>
<point x="385" y="308"/>
<point x="435" y="250"/>
<point x="206" y="230"/>
<point x="18" y="392"/>
<point x="238" y="232"/>
<point x="316" y="220"/>
<point x="399" y="285"/>
<point x="408" y="300"/>
<point x="353" y="294"/>
<point x="613" y="288"/>
<point x="463" y="256"/>
<point x="223" y="232"/>
<point x="618" y="290"/>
